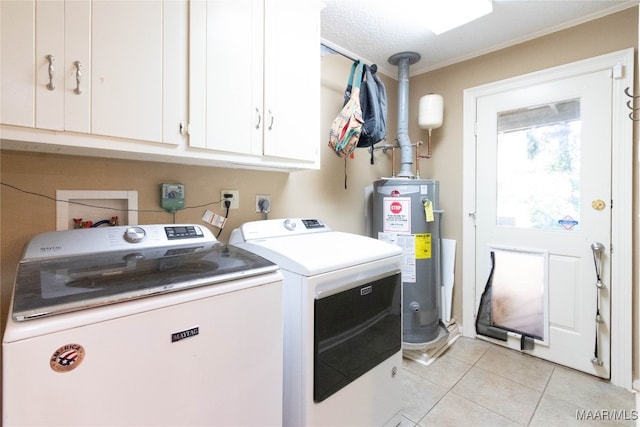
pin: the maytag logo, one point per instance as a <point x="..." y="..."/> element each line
<point x="179" y="336"/>
<point x="50" y="248"/>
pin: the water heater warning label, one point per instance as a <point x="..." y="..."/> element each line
<point x="396" y="214"/>
<point x="423" y="246"/>
<point x="407" y="242"/>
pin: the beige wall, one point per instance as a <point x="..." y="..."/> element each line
<point x="310" y="193"/>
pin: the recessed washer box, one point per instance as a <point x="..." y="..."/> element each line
<point x="95" y="205"/>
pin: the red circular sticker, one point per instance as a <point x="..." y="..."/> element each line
<point x="396" y="207"/>
<point x="67" y="358"/>
<point x="395" y="193"/>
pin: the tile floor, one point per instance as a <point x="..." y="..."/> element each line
<point x="475" y="383"/>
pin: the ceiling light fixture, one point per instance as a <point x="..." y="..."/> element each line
<point x="444" y="15"/>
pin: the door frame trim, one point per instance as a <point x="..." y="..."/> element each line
<point x="622" y="196"/>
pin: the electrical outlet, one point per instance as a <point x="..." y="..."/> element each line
<point x="259" y="198"/>
<point x="235" y="198"/>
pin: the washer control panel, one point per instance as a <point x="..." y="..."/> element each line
<point x="183" y="232"/>
<point x="105" y="239"/>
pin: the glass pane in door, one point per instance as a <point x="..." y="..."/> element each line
<point x="538" y="167"/>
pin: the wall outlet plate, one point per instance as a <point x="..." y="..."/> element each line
<point x="235" y="198"/>
<point x="259" y="198"/>
<point x="172" y="197"/>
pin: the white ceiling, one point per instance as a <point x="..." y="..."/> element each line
<point x="373" y="30"/>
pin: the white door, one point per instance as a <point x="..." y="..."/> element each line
<point x="543" y="205"/>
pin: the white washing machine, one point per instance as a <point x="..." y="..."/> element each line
<point x="342" y="321"/>
<point x="149" y="325"/>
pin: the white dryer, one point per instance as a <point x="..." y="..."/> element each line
<point x="342" y="321"/>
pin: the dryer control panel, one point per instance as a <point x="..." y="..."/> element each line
<point x="313" y="223"/>
<point x="277" y="228"/>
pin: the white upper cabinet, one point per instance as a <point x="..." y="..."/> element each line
<point x="77" y="66"/>
<point x="292" y="79"/>
<point x="232" y="83"/>
<point x="50" y="63"/>
<point x="226" y="73"/>
<point x="139" y="81"/>
<point x="175" y="71"/>
<point x="37" y="65"/>
<point x="126" y="83"/>
<point x="17" y="91"/>
<point x="96" y="67"/>
<point x="255" y="78"/>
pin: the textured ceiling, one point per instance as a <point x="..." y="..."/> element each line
<point x="373" y="30"/>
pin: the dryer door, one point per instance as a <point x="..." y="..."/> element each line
<point x="354" y="331"/>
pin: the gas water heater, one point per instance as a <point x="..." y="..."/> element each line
<point x="406" y="212"/>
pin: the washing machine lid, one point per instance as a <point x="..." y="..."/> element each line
<point x="310" y="249"/>
<point x="66" y="271"/>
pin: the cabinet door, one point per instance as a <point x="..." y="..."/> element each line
<point x="41" y="40"/>
<point x="17" y="44"/>
<point x="50" y="60"/>
<point x="226" y="75"/>
<point x="33" y="63"/>
<point x="77" y="66"/>
<point x="175" y="71"/>
<point x="126" y="79"/>
<point x="292" y="79"/>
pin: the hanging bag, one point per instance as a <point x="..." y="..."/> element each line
<point x="373" y="101"/>
<point x="346" y="128"/>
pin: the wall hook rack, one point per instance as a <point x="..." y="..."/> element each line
<point x="631" y="105"/>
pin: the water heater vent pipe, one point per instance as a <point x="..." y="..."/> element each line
<point x="403" y="60"/>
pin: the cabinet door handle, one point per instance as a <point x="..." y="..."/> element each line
<point x="51" y="86"/>
<point x="272" y="118"/>
<point x="78" y="65"/>
<point x="259" y="117"/>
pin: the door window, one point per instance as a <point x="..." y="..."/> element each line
<point x="538" y="167"/>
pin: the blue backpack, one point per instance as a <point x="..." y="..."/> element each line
<point x="373" y="102"/>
